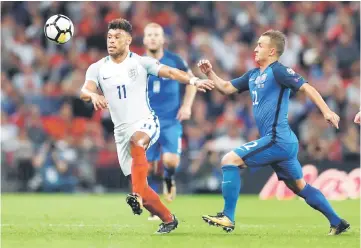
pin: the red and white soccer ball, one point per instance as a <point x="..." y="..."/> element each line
<point x="59" y="29"/>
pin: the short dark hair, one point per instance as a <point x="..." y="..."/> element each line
<point x="278" y="39"/>
<point x="122" y="24"/>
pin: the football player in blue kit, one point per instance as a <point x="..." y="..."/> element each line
<point x="270" y="85"/>
<point x="165" y="100"/>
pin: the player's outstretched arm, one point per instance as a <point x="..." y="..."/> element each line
<point x="225" y="87"/>
<point x="89" y="93"/>
<point x="183" y="77"/>
<point x="317" y="99"/>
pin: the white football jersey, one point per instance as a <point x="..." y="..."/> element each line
<point x="125" y="86"/>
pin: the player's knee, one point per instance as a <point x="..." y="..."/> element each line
<point x="232" y="158"/>
<point x="135" y="143"/>
<point x="136" y="148"/>
<point x="300" y="185"/>
<point x="296" y="186"/>
<point x="170" y="160"/>
<point x="139" y="140"/>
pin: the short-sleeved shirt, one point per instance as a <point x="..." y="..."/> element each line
<point x="164" y="93"/>
<point x="124" y="86"/>
<point x="270" y="92"/>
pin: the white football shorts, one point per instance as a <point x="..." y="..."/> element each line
<point x="149" y="125"/>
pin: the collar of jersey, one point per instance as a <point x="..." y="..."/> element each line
<point x="269" y="66"/>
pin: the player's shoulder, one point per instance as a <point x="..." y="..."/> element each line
<point x="277" y="65"/>
<point x="133" y="55"/>
<point x="279" y="68"/>
<point x="145" y="60"/>
<point x="171" y="55"/>
<point x="175" y="57"/>
<point x="138" y="57"/>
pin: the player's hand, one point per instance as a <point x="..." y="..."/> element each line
<point x="332" y="118"/>
<point x="357" y="118"/>
<point x="184" y="113"/>
<point x="204" y="85"/>
<point x="99" y="102"/>
<point x="205" y="66"/>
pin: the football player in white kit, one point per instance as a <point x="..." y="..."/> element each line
<point x="122" y="78"/>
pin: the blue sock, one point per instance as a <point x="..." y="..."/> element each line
<point x="317" y="200"/>
<point x="231" y="185"/>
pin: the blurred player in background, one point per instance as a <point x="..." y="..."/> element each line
<point x="122" y="78"/>
<point x="165" y="100"/>
<point x="270" y="85"/>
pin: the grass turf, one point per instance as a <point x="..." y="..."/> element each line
<point x="89" y="221"/>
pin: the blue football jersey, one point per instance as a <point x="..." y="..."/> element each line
<point x="164" y="94"/>
<point x="270" y="92"/>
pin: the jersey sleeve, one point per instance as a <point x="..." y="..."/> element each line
<point x="151" y="65"/>
<point x="288" y="78"/>
<point x="241" y="83"/>
<point x="93" y="74"/>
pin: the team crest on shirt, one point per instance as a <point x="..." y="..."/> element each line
<point x="133" y="73"/>
<point x="260" y="80"/>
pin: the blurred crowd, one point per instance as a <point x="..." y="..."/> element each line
<point x="52" y="141"/>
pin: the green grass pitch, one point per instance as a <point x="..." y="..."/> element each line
<point x="90" y="221"/>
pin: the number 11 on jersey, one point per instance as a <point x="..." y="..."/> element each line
<point x="120" y="91"/>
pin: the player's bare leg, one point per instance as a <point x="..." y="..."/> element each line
<point x="317" y="200"/>
<point x="143" y="194"/>
<point x="231" y="184"/>
<point x="170" y="162"/>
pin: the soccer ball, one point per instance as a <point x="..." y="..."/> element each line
<point x="59" y="29"/>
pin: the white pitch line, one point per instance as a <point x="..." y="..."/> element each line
<point x="278" y="226"/>
<point x="127" y="225"/>
<point x="72" y="225"/>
